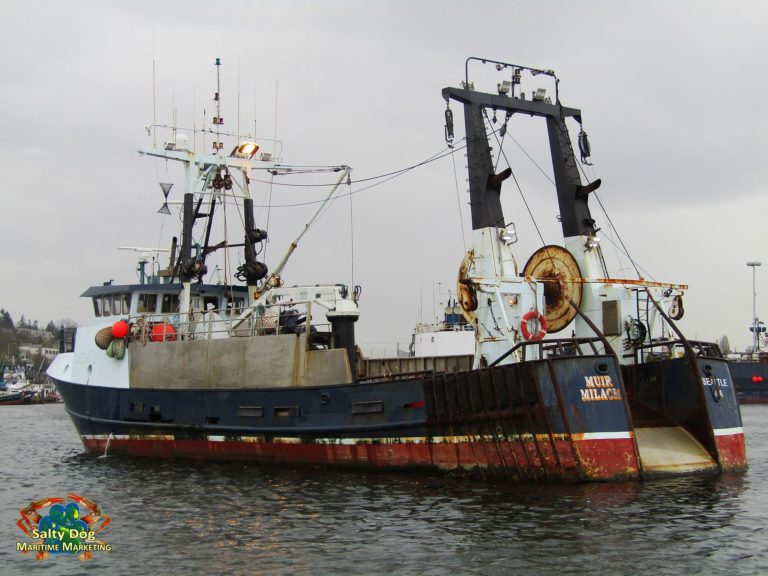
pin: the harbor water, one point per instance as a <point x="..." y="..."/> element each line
<point x="206" y="518"/>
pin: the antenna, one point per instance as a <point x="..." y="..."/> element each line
<point x="154" y="107"/>
<point x="238" y="100"/>
<point x="218" y="121"/>
<point x="277" y="81"/>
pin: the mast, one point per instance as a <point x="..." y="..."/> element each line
<point x="187" y="265"/>
<point x="485" y="185"/>
<point x="494" y="296"/>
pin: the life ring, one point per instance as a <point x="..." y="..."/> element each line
<point x="543" y="325"/>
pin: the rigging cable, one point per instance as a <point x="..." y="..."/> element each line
<point x="523" y="150"/>
<point x="602" y="207"/>
<point x="567" y="138"/>
<point x="391" y="176"/>
<point x="226" y="237"/>
<point x="246" y="194"/>
<point x="458" y="203"/>
<point x="610" y="222"/>
<point x="387" y="176"/>
<point x="619" y="249"/>
<point x="269" y="213"/>
<point x="530" y="213"/>
<point x="351" y="235"/>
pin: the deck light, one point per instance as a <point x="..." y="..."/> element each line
<point x="508" y="235"/>
<point x="592" y="242"/>
<point x="503" y="88"/>
<point x="245" y="150"/>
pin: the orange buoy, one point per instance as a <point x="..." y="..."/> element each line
<point x="163" y="332"/>
<point x="120" y="329"/>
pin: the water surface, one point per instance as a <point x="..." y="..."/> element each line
<point x="206" y="518"/>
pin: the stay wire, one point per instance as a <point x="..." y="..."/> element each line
<point x="519" y="188"/>
<point x="388" y="176"/>
<point x="458" y="203"/>
<point x="226" y="237"/>
<point x="610" y="222"/>
<point x="621" y="250"/>
<point x="351" y="235"/>
<point x="524" y="151"/>
<point x="392" y="176"/>
<point x="269" y="213"/>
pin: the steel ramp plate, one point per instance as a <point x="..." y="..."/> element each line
<point x="671" y="450"/>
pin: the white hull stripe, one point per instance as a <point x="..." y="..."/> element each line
<point x="355" y="441"/>
<point x="728" y="431"/>
<point x="623" y="435"/>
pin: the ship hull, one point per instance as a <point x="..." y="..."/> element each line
<point x="12" y="399"/>
<point x="476" y="456"/>
<point x="751" y="381"/>
<point x="557" y="420"/>
<point x="520" y="422"/>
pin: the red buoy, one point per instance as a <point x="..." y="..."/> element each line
<point x="163" y="333"/>
<point x="120" y="329"/>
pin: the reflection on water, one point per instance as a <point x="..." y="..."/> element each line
<point x="182" y="517"/>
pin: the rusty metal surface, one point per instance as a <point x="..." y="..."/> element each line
<point x="621" y="281"/>
<point x="465" y="289"/>
<point x="526" y="417"/>
<point x="557" y="268"/>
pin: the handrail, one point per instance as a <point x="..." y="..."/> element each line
<point x="226" y="318"/>
<point x="554" y="344"/>
<point x="697" y="348"/>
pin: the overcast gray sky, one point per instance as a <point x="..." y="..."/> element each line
<point x="671" y="93"/>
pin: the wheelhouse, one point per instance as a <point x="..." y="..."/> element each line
<point x="151" y="299"/>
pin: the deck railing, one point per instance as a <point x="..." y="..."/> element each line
<point x="214" y="324"/>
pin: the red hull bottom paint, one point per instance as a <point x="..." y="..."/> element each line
<point x="558" y="460"/>
<point x="733" y="453"/>
<point x="608" y="459"/>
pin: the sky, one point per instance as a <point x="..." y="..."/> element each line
<point x="671" y="94"/>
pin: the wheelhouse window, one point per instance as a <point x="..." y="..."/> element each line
<point x="236" y="306"/>
<point x="170" y="303"/>
<point x="125" y="303"/>
<point x="211" y="302"/>
<point x="203" y="303"/>
<point x="112" y="304"/>
<point x="147" y="304"/>
<point x="106" y="305"/>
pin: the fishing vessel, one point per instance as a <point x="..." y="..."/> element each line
<point x="750" y="376"/>
<point x="451" y="336"/>
<point x="750" y="369"/>
<point x="269" y="372"/>
<point x="10" y="398"/>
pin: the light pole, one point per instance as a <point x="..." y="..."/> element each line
<point x="756" y="324"/>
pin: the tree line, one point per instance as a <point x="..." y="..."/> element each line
<point x="13" y="334"/>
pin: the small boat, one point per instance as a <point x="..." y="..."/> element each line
<point x="270" y="372"/>
<point x="9" y="397"/>
<point x="12" y="398"/>
<point x="750" y="376"/>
